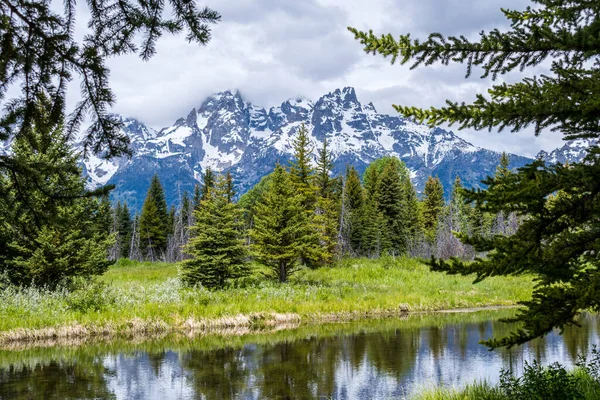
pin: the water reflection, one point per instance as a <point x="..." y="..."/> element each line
<point x="375" y="359"/>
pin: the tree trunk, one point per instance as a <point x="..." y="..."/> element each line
<point x="282" y="272"/>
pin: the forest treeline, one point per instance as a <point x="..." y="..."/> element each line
<point x="301" y="215"/>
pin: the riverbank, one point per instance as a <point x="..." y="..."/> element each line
<point x="144" y="298"/>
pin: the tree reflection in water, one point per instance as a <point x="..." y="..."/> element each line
<point x="374" y="359"/>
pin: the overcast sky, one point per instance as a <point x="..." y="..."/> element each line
<point x="272" y="50"/>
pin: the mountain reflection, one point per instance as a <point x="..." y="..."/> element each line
<point x="382" y="359"/>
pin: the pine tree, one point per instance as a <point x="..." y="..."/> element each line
<point x="324" y="168"/>
<point x="374" y="233"/>
<point x="58" y="230"/>
<point x="124" y="228"/>
<point x="197" y="196"/>
<point x="154" y="222"/>
<point x="186" y="210"/>
<point x="282" y="233"/>
<point x="208" y="184"/>
<point x="229" y="190"/>
<point x="412" y="213"/>
<point x="433" y="205"/>
<point x="559" y="239"/>
<point x="217" y="249"/>
<point x="301" y="171"/>
<point x="390" y="196"/>
<point x="458" y="209"/>
<point x="354" y="199"/>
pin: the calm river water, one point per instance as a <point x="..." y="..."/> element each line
<point x="377" y="359"/>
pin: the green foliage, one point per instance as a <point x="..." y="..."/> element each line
<point x="154" y="221"/>
<point x="301" y="171"/>
<point x="124" y="227"/>
<point x="433" y="205"/>
<point x="558" y="238"/>
<point x="251" y="198"/>
<point x="217" y="248"/>
<point x="208" y="184"/>
<point x="324" y="167"/>
<point x="565" y="100"/>
<point x="390" y="201"/>
<point x="51" y="227"/>
<point x="354" y="199"/>
<point x="541" y="383"/>
<point x="282" y="232"/>
<point x="89" y="295"/>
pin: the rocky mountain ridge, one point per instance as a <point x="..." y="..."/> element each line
<point x="226" y="132"/>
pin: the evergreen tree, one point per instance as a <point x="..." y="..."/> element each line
<point x="459" y="210"/>
<point x="282" y="233"/>
<point x="217" y="249"/>
<point x="154" y="222"/>
<point x="374" y="233"/>
<point x="229" y="190"/>
<point x="390" y="196"/>
<point x="208" y="184"/>
<point x="252" y="197"/>
<point x="301" y="170"/>
<point x="354" y="199"/>
<point x="559" y="239"/>
<point x="186" y="210"/>
<point x="412" y="213"/>
<point x="197" y="196"/>
<point x="57" y="230"/>
<point x="503" y="170"/>
<point x="326" y="213"/>
<point x="124" y="228"/>
<point x="171" y="220"/>
<point x="324" y="168"/>
<point x="433" y="205"/>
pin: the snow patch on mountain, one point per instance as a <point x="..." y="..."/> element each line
<point x="227" y="132"/>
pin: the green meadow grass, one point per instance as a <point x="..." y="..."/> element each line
<point x="353" y="288"/>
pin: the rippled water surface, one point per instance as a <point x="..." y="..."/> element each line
<point x="391" y="358"/>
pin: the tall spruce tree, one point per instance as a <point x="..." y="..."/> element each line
<point x="326" y="208"/>
<point x="197" y="196"/>
<point x="217" y="250"/>
<point x="302" y="173"/>
<point x="58" y="230"/>
<point x="282" y="233"/>
<point x="124" y="230"/>
<point x="560" y="238"/>
<point x="458" y="209"/>
<point x="354" y="200"/>
<point x="433" y="205"/>
<point x="390" y="198"/>
<point x="208" y="184"/>
<point x="154" y="222"/>
<point x="324" y="167"/>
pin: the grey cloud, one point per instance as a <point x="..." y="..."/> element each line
<point x="272" y="50"/>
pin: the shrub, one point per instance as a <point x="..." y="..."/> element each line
<point x="88" y="295"/>
<point x="541" y="383"/>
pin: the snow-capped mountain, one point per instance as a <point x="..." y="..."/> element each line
<point x="227" y="132"/>
<point x="572" y="151"/>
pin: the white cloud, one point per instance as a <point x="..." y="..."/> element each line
<point x="272" y="50"/>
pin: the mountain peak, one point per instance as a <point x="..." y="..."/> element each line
<point x="227" y="133"/>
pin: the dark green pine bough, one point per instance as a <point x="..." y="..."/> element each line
<point x="559" y="239"/>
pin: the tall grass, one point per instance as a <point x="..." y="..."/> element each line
<point x="552" y="382"/>
<point x="352" y="289"/>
